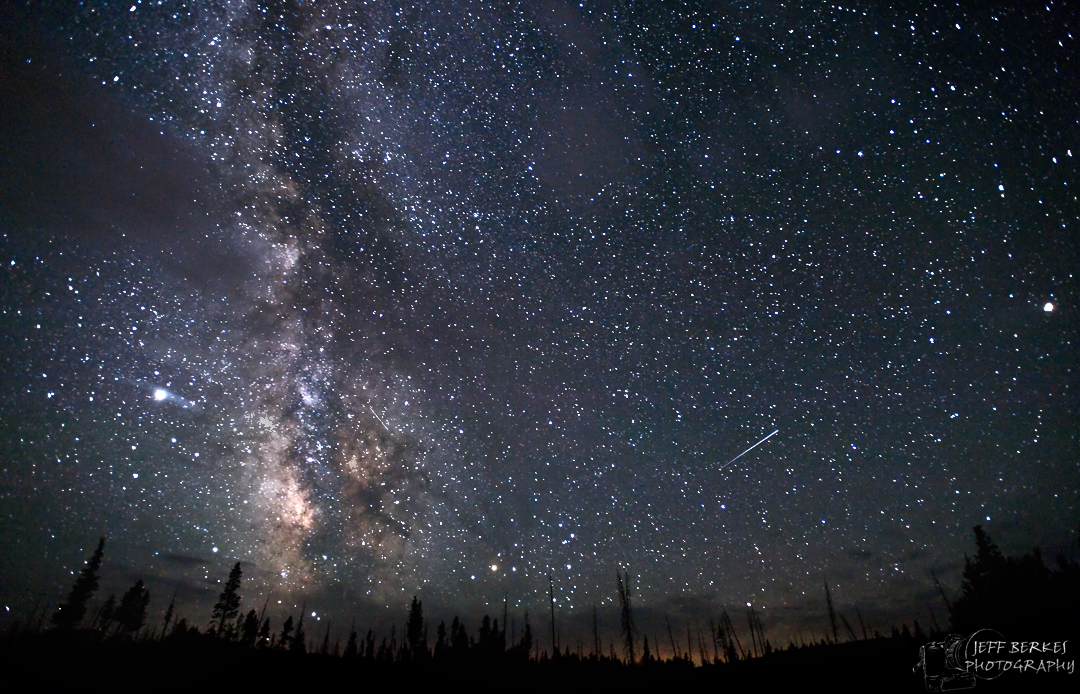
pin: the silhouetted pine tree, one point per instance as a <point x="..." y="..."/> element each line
<point x="249" y="632"/>
<point x="627" y="616"/>
<point x="69" y="614"/>
<point x="983" y="585"/>
<point x="350" y="645"/>
<point x="325" y="650"/>
<point x="299" y="640"/>
<point x="169" y="614"/>
<point x="502" y="634"/>
<point x="180" y="629"/>
<point x="527" y="637"/>
<point x="131" y="614"/>
<point x="228" y="604"/>
<point x="595" y="632"/>
<point x="489" y="642"/>
<point x="554" y="633"/>
<point x="104" y="616"/>
<point x="459" y="638"/>
<point x="415" y="632"/>
<point x="440" y="640"/>
<point x="285" y="639"/>
<point x="1018" y="597"/>
<point x="369" y="645"/>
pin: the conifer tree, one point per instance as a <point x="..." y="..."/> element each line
<point x="228" y="604"/>
<point x="70" y="614"/>
<point x="180" y="629"/>
<point x="459" y="638"/>
<point x="286" y="633"/>
<point x="595" y="633"/>
<point x="299" y="639"/>
<point x="325" y="650"/>
<point x="350" y="646"/>
<point x="131" y="614"/>
<point x="249" y="632"/>
<point x="628" y="627"/>
<point x="527" y="637"/>
<point x="169" y="614"/>
<point x="485" y="634"/>
<point x="104" y="617"/>
<point x="415" y="637"/>
<point x="440" y="639"/>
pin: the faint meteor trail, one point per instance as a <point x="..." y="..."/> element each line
<point x="388" y="428"/>
<point x="749" y="449"/>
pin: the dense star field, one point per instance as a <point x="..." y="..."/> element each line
<point x="388" y="299"/>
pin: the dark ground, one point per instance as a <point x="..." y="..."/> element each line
<point x="51" y="662"/>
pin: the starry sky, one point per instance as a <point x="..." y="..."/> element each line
<point x="387" y="299"/>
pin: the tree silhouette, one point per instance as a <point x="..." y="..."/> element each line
<point x="299" y="639"/>
<point x="326" y="640"/>
<point x="350" y="646"/>
<point x="369" y="645"/>
<point x="440" y="640"/>
<point x="131" y="614"/>
<point x="286" y="633"/>
<point x="249" y="632"/>
<point x="527" y="637"/>
<point x="729" y="639"/>
<point x="832" y="612"/>
<point x="627" y="621"/>
<point x="104" y="617"/>
<point x="228" y="604"/>
<point x="70" y="614"/>
<point x="459" y="638"/>
<point x="415" y="636"/>
<point x="169" y="614"/>
<point x="180" y="629"/>
<point x="1016" y="596"/>
<point x="488" y="635"/>
<point x="264" y="633"/>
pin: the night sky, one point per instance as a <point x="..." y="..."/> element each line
<point x="387" y="299"/>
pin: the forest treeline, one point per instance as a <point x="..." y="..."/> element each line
<point x="1019" y="597"/>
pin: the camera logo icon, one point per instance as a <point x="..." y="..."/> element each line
<point x="947" y="665"/>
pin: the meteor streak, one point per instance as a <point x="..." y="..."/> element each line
<point x="380" y="418"/>
<point x="749" y="449"/>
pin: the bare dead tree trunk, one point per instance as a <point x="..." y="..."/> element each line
<point x="832" y="613"/>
